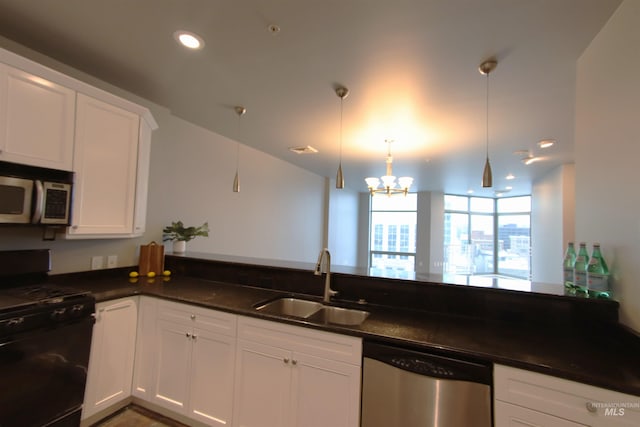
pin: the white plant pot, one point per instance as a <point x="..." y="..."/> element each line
<point x="179" y="246"/>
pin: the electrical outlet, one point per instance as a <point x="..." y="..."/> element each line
<point x="112" y="261"/>
<point x="97" y="262"/>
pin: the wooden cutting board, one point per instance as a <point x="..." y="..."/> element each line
<point x="151" y="259"/>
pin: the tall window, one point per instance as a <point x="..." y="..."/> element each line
<point x="471" y="245"/>
<point x="393" y="232"/>
<point x="514" y="233"/>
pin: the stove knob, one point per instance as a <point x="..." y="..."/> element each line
<point x="77" y="309"/>
<point x="15" y="322"/>
<point x="58" y="313"/>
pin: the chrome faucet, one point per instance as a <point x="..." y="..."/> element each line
<point x="328" y="292"/>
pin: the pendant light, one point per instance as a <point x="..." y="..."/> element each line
<point x="236" y="181"/>
<point x="485" y="68"/>
<point x="342" y="93"/>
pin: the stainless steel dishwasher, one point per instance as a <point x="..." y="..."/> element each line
<point x="407" y="388"/>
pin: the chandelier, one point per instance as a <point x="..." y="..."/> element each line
<point x="389" y="185"/>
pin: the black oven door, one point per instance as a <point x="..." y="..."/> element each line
<point x="43" y="374"/>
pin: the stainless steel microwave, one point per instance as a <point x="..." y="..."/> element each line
<point x="33" y="195"/>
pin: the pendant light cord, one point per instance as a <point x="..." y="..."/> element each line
<point x="487" y="127"/>
<point x="341" y="108"/>
<point x="238" y="144"/>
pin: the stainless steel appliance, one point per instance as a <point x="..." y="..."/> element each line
<point x="45" y="338"/>
<point x="33" y="195"/>
<point x="408" y="388"/>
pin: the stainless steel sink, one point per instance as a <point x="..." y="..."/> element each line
<point x="339" y="316"/>
<point x="314" y="311"/>
<point x="290" y="307"/>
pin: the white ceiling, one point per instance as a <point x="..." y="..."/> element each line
<point x="411" y="67"/>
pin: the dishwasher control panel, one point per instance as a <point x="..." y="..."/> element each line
<point x="420" y="366"/>
<point x="429" y="364"/>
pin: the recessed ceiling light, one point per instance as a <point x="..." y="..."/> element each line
<point x="546" y="143"/>
<point x="530" y="159"/>
<point x="510" y="177"/>
<point x="469" y="191"/>
<point x="273" y="29"/>
<point x="188" y="39"/>
<point x="303" y="150"/>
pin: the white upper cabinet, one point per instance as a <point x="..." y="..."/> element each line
<point x="105" y="162"/>
<point x="51" y="120"/>
<point x="36" y="120"/>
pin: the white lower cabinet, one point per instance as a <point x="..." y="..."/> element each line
<point x="524" y="398"/>
<point x="144" y="365"/>
<point x="296" y="377"/>
<point x="195" y="358"/>
<point x="112" y="355"/>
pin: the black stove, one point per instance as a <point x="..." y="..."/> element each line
<point x="45" y="339"/>
<point x="27" y="300"/>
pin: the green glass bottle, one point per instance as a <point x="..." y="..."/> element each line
<point x="580" y="270"/>
<point x="567" y="267"/>
<point x="598" y="275"/>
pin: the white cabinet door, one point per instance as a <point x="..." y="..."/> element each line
<point x="144" y="366"/>
<point x="194" y="352"/>
<point x="290" y="376"/>
<point x="105" y="162"/>
<point x="263" y="382"/>
<point x="112" y="355"/>
<point x="324" y="392"/>
<point x="560" y="398"/>
<point x="508" y="415"/>
<point x="36" y="120"/>
<point x="211" y="391"/>
<point x="173" y="365"/>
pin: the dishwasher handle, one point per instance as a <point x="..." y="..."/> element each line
<point x="428" y="364"/>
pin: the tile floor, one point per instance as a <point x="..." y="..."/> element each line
<point x="135" y="416"/>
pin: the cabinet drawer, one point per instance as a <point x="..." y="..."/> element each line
<point x="323" y="344"/>
<point x="508" y="415"/>
<point x="570" y="400"/>
<point x="198" y="317"/>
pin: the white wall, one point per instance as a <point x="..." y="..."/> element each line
<point x="552" y="222"/>
<point x="343" y="225"/>
<point x="607" y="150"/>
<point x="430" y="232"/>
<point x="277" y="214"/>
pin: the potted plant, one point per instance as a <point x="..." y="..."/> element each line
<point x="180" y="235"/>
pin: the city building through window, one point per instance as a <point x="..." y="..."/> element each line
<point x="471" y="244"/>
<point x="393" y="234"/>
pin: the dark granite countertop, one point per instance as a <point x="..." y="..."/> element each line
<point x="484" y="281"/>
<point x="604" y="355"/>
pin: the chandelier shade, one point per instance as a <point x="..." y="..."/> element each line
<point x="389" y="185"/>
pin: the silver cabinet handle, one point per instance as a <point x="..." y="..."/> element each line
<point x="194" y="336"/>
<point x="591" y="407"/>
<point x="188" y="335"/>
<point x="193" y="317"/>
